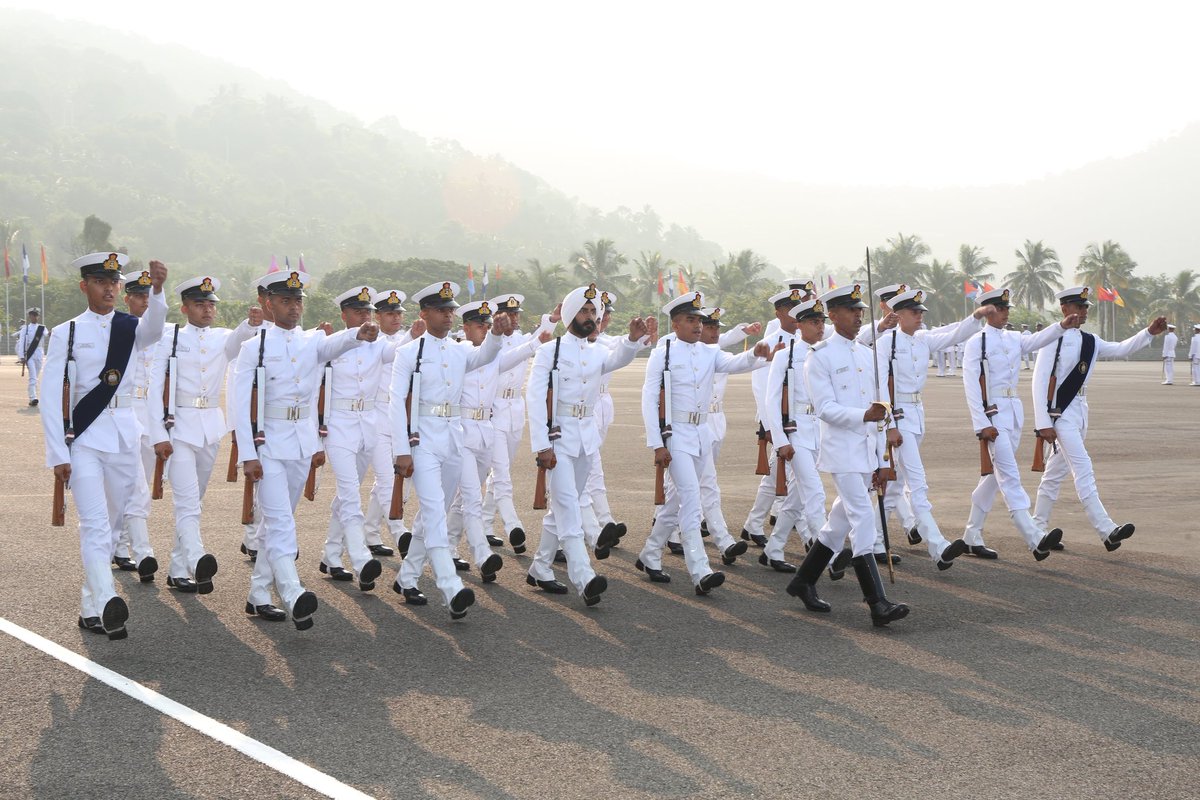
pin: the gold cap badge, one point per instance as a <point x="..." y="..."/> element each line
<point x="697" y="301"/>
<point x="856" y="292"/>
<point x="393" y="299"/>
<point x="143" y="279"/>
<point x="919" y="298"/>
<point x="364" y="296"/>
<point x="795" y="295"/>
<point x="1084" y="293"/>
<point x="1004" y="297"/>
<point x="716" y="313"/>
<point x="512" y="302"/>
<point x="111" y="262"/>
<point x="293" y="281"/>
<point x="484" y="310"/>
<point x="446" y="293"/>
<point x="604" y="298"/>
<point x="590" y="293"/>
<point x="206" y="285"/>
<point x="818" y="307"/>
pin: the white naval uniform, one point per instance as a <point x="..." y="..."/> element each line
<point x="839" y="375"/>
<point x="1170" y="342"/>
<point x="1194" y="358"/>
<point x="293" y="361"/>
<point x="105" y="459"/>
<point x="1004" y="350"/>
<point x="252" y="532"/>
<point x="508" y="420"/>
<point x="33" y="365"/>
<point x="133" y="538"/>
<point x="379" y="503"/>
<point x="1071" y="455"/>
<point x="438" y="458"/>
<point x="581" y="364"/>
<point x="765" y="498"/>
<point x="804" y="505"/>
<point x="201" y="357"/>
<point x="910" y="370"/>
<point x="692" y="367"/>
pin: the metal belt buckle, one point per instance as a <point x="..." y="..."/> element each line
<point x="579" y="410"/>
<point x="293" y="413"/>
<point x="693" y="417"/>
<point x="357" y="404"/>
<point x="441" y="410"/>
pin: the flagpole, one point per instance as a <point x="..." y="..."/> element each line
<point x="7" y="316"/>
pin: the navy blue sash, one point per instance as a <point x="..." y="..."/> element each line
<point x="120" y="347"/>
<point x="1069" y="388"/>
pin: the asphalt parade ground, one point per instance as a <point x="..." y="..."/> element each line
<point x="1075" y="677"/>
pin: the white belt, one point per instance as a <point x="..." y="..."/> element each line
<point x="689" y="417"/>
<point x="383" y="399"/>
<point x="120" y="401"/>
<point x="603" y="390"/>
<point x="1008" y="392"/>
<point x="481" y="414"/>
<point x="439" y="410"/>
<point x="194" y="401"/>
<point x="576" y="410"/>
<point x="716" y="407"/>
<point x="906" y="397"/>
<point x="352" y="404"/>
<point x="508" y="394"/>
<point x="291" y="413"/>
<point x="140" y="393"/>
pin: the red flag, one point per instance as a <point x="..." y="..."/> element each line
<point x="660" y="280"/>
<point x="1104" y="295"/>
<point x="987" y="287"/>
<point x="968" y="288"/>
<point x="497" y="272"/>
<point x="829" y="280"/>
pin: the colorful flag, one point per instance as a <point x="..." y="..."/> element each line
<point x="24" y="265"/>
<point x="485" y="276"/>
<point x="682" y="284"/>
<point x="1116" y="296"/>
<point x="832" y="285"/>
<point x="45" y="271"/>
<point x="987" y="287"/>
<point x="274" y="266"/>
<point x="470" y="281"/>
<point x="1103" y="295"/>
<point x="660" y="279"/>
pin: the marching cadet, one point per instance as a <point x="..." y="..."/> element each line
<point x="428" y="441"/>
<point x="797" y="439"/>
<point x="990" y="365"/>
<point x="1170" y="342"/>
<point x="93" y="444"/>
<point x="1194" y="355"/>
<point x="252" y="531"/>
<point x="30" y="340"/>
<point x="479" y="390"/>
<point x="186" y="423"/>
<point x="277" y="376"/>
<point x="904" y="366"/>
<point x="508" y="420"/>
<point x="1060" y="413"/>
<point x="597" y="513"/>
<point x="678" y="433"/>
<point x="780" y="330"/>
<point x="133" y="551"/>
<point x="564" y="385"/>
<point x="352" y="383"/>
<point x="840" y="378"/>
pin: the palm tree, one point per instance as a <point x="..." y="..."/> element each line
<point x="1037" y="276"/>
<point x="648" y="268"/>
<point x="944" y="283"/>
<point x="600" y="263"/>
<point x="899" y="262"/>
<point x="750" y="266"/>
<point x="1181" y="302"/>
<point x="1106" y="265"/>
<point x="548" y="281"/>
<point x="972" y="263"/>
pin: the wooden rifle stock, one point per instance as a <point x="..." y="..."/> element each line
<point x="156" y="491"/>
<point x="310" y="485"/>
<point x="780" y="477"/>
<point x="248" y="501"/>
<point x="763" y="467"/>
<point x="1039" y="444"/>
<point x="58" y="511"/>
<point x="785" y="409"/>
<point x="985" y="455"/>
<point x="396" y="509"/>
<point x="231" y="473"/>
<point x="553" y="433"/>
<point x="539" y="490"/>
<point x="985" y="458"/>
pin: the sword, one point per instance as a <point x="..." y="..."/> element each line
<point x="887" y="544"/>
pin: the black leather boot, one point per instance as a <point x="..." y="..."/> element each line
<point x="804" y="585"/>
<point x="883" y="610"/>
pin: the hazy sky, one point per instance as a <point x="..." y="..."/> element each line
<point x="923" y="93"/>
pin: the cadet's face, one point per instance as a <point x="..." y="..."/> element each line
<point x="1075" y="308"/>
<point x="137" y="303"/>
<point x="438" y="321"/>
<point x="786" y="320"/>
<point x="812" y="330"/>
<point x="200" y="313"/>
<point x="354" y="317"/>
<point x="910" y="319"/>
<point x="687" y="327"/>
<point x="389" y="321"/>
<point x="711" y="333"/>
<point x="476" y="331"/>
<point x="846" y="321"/>
<point x="1000" y="318"/>
<point x="286" y="310"/>
<point x="101" y="292"/>
<point x="584" y="322"/>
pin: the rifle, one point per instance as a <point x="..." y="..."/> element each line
<point x="396" y="508"/>
<point x="985" y="455"/>
<point x="310" y="485"/>
<point x="1039" y="444"/>
<point x="886" y="473"/>
<point x="170" y="377"/>
<point x="554" y="432"/>
<point x="664" y="425"/>
<point x="231" y="473"/>
<point x="763" y="467"/>
<point x="785" y="408"/>
<point x="257" y="407"/>
<point x="58" y="506"/>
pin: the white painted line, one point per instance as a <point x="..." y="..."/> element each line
<point x="280" y="762"/>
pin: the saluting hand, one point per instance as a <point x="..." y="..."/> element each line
<point x="417" y="329"/>
<point x="325" y="328"/>
<point x="368" y="332"/>
<point x="1070" y="321"/>
<point x="254" y="316"/>
<point x="753" y="329"/>
<point x="158" y="275"/>
<point x="765" y="350"/>
<point x="889" y="321"/>
<point x="556" y="314"/>
<point x="501" y="324"/>
<point x="988" y="311"/>
<point x="1158" y="326"/>
<point x="637" y="329"/>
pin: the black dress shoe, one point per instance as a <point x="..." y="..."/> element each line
<point x="381" y="550"/>
<point x="622" y="529"/>
<point x="124" y="564"/>
<point x="206" y="567"/>
<point x="412" y="596"/>
<point x="185" y="585"/>
<point x="1058" y="546"/>
<point x="914" y="535"/>
<point x="146" y="569"/>
<point x="807" y="593"/>
<point x="91" y="624"/>
<point x="1114" y="539"/>
<point x="1042" y="551"/>
<point x="560" y="557"/>
<point x="952" y="551"/>
<point x="675" y="548"/>
<point x="552" y="587"/>
<point x="402" y="543"/>
<point x="776" y="564"/>
<point x="516" y="538"/>
<point x="461" y="602"/>
<point x="252" y="554"/>
<point x="837" y="567"/>
<point x="461" y="565"/>
<point x="703" y="529"/>
<point x="655" y="575"/>
<point x="881" y="558"/>
<point x="773" y="520"/>
<point x="367" y="575"/>
<point x="337" y="573"/>
<point x="302" y="611"/>
<point x="494" y="541"/>
<point x="595" y="587"/>
<point x="730" y="554"/>
<point x="33" y="402"/>
<point x="605" y="541"/>
<point x="267" y="612"/>
<point x="490" y="567"/>
<point x="980" y="551"/>
<point x="757" y="538"/>
<point x="710" y="582"/>
<point x="113" y="618"/>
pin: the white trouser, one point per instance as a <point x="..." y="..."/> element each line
<point x="910" y="473"/>
<point x="853" y="513"/>
<point x="469" y="505"/>
<point x="1071" y="456"/>
<point x="349" y="469"/>
<point x="499" y="489"/>
<point x="1196" y="371"/>
<point x="435" y="479"/>
<point x="710" y="500"/>
<point x="764" y="500"/>
<point x="379" y="503"/>
<point x="137" y="505"/>
<point x="33" y="369"/>
<point x="1006" y="476"/>
<point x="279" y="493"/>
<point x="1169" y="370"/>
<point x="685" y="503"/>
<point x="804" y="506"/>
<point x="189" y="469"/>
<point x="563" y="523"/>
<point x="100" y="486"/>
